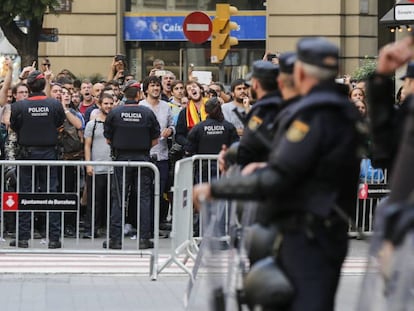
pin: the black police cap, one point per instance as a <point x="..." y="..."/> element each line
<point x="287" y="61"/>
<point x="410" y="71"/>
<point x="35" y="75"/>
<point x="263" y="70"/>
<point x="131" y="83"/>
<point x="319" y="52"/>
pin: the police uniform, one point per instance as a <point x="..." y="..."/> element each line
<point x="131" y="128"/>
<point x="312" y="171"/>
<point x="207" y="137"/>
<point x="36" y="121"/>
<point x="260" y="122"/>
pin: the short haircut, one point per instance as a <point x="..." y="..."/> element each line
<point x="37" y="85"/>
<point x="220" y="85"/>
<point x="64" y="80"/>
<point x="112" y="82"/>
<point x="236" y="83"/>
<point x="175" y="82"/>
<point x="131" y="93"/>
<point x="105" y="95"/>
<point x="322" y="74"/>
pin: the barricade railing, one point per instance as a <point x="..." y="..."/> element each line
<point x="190" y="171"/>
<point x="42" y="203"/>
<point x="371" y="191"/>
<point x="186" y="234"/>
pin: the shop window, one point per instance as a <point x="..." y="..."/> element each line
<point x="155" y="4"/>
<point x="190" y="5"/>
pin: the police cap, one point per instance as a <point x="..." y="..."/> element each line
<point x="410" y="71"/>
<point x="131" y="83"/>
<point x="286" y="62"/>
<point x="319" y="52"/>
<point x="263" y="69"/>
<point x="35" y="75"/>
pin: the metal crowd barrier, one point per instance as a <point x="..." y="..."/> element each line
<point x="67" y="201"/>
<point x="189" y="171"/>
<point x="185" y="235"/>
<point x="370" y="192"/>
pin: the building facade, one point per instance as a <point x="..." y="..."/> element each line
<point x="95" y="30"/>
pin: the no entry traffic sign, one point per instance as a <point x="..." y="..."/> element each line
<point x="197" y="27"/>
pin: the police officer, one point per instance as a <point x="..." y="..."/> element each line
<point x="131" y="130"/>
<point x="310" y="179"/>
<point x="261" y="121"/>
<point x="36" y="121"/>
<point x="208" y="136"/>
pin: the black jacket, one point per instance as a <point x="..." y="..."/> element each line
<point x="314" y="164"/>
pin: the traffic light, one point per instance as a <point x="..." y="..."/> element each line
<point x="221" y="40"/>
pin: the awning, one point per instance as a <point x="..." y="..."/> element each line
<point x="401" y="14"/>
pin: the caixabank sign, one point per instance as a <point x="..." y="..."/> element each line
<point x="13" y="201"/>
<point x="150" y="26"/>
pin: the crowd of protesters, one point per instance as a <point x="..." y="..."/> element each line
<point x="178" y="106"/>
<point x="193" y="119"/>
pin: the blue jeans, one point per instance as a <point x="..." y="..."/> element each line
<point x="38" y="182"/>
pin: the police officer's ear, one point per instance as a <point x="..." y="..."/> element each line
<point x="138" y="97"/>
<point x="298" y="73"/>
<point x="253" y="84"/>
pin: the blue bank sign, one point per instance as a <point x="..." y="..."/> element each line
<point x="151" y="27"/>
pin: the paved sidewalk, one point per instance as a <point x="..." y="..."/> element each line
<point x="59" y="292"/>
<point x="95" y="282"/>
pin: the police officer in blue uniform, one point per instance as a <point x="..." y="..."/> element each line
<point x="36" y="121"/>
<point x="261" y="121"/>
<point x="254" y="144"/>
<point x="131" y="131"/>
<point x="310" y="180"/>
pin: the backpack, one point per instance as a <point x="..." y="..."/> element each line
<point x="70" y="142"/>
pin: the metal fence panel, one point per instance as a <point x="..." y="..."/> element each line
<point x="187" y="226"/>
<point x="370" y="192"/>
<point x="41" y="203"/>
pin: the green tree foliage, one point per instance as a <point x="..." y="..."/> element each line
<point x="367" y="67"/>
<point x="26" y="44"/>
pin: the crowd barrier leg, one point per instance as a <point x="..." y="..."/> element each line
<point x="182" y="243"/>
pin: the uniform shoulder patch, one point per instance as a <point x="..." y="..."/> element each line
<point x="297" y="131"/>
<point x="254" y="122"/>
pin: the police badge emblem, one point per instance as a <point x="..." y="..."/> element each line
<point x="254" y="122"/>
<point x="297" y="131"/>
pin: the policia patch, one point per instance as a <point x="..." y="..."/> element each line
<point x="297" y="131"/>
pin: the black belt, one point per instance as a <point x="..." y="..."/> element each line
<point x="40" y="147"/>
<point x="129" y="151"/>
<point x="307" y="220"/>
